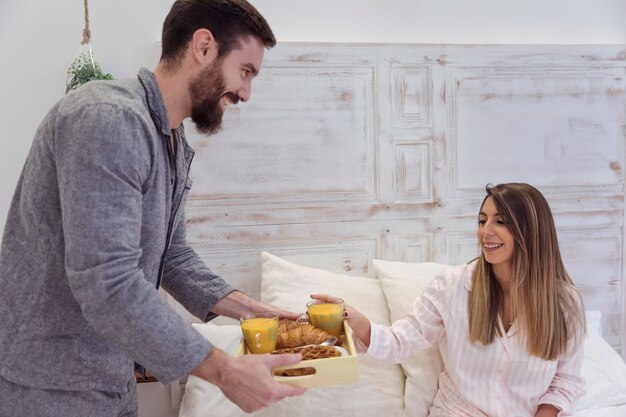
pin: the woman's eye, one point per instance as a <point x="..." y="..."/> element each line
<point x="501" y="222"/>
<point x="482" y="222"/>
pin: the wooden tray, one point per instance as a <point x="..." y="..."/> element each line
<point x="329" y="371"/>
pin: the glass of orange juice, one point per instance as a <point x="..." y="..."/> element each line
<point x="326" y="315"/>
<point x="260" y="331"/>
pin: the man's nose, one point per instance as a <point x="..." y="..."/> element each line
<point x="245" y="92"/>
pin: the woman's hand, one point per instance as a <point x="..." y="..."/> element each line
<point x="360" y="324"/>
<point x="547" y="410"/>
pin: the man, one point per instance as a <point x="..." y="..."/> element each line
<point x="97" y="225"/>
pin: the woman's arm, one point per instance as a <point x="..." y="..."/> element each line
<point x="567" y="384"/>
<point x="417" y="331"/>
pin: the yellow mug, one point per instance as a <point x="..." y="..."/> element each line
<point x="260" y="331"/>
<point x="326" y="315"/>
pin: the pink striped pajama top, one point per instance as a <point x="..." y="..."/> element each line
<point x="500" y="379"/>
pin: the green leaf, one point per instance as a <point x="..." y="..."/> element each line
<point x="84" y="70"/>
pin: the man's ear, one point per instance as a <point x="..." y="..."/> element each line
<point x="203" y="46"/>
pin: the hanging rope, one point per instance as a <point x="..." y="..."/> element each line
<point x="86" y="31"/>
<point x="87" y="35"/>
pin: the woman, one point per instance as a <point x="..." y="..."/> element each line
<point x="509" y="324"/>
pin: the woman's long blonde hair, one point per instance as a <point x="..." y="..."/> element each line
<point x="544" y="300"/>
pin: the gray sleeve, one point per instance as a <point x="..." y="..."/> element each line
<point x="102" y="160"/>
<point x="187" y="278"/>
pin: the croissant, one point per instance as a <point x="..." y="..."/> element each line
<point x="286" y="325"/>
<point x="292" y="335"/>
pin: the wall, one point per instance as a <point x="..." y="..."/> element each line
<point x="359" y="152"/>
<point x="38" y="41"/>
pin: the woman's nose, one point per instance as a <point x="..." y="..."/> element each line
<point x="488" y="228"/>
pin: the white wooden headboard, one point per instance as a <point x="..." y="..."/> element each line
<point x="349" y="152"/>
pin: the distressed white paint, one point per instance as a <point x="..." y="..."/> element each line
<point x="333" y="117"/>
<point x="352" y="152"/>
<point x="563" y="123"/>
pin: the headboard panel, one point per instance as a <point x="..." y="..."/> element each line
<point x="351" y="152"/>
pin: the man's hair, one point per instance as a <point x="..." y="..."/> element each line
<point x="228" y="20"/>
<point x="545" y="301"/>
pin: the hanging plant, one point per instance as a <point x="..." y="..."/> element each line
<point x="84" y="68"/>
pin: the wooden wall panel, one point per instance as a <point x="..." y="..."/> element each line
<point x="294" y="144"/>
<point x="352" y="152"/>
<point x="242" y="262"/>
<point x="562" y="124"/>
<point x="411" y="95"/>
<point x="413" y="248"/>
<point x="413" y="172"/>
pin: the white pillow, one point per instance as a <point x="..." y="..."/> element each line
<point x="402" y="283"/>
<point x="594" y="320"/>
<point x="604" y="372"/>
<point x="202" y="398"/>
<point x="379" y="391"/>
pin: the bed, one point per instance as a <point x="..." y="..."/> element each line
<point x="384" y="389"/>
<point x="352" y="155"/>
<point x="608" y="411"/>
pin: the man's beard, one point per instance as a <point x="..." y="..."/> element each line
<point x="206" y="91"/>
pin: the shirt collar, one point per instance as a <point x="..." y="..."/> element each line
<point x="156" y="105"/>
<point x="468" y="274"/>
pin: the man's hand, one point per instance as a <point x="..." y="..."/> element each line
<point x="236" y="304"/>
<point x="247" y="380"/>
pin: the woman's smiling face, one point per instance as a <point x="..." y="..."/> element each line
<point x="496" y="240"/>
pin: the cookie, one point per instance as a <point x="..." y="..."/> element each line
<point x="295" y="372"/>
<point x="312" y="352"/>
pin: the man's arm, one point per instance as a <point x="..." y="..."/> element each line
<point x="236" y="304"/>
<point x="204" y="294"/>
<point x="188" y="279"/>
<point x="101" y="174"/>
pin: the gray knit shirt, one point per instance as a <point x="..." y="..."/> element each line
<point x="95" y="225"/>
